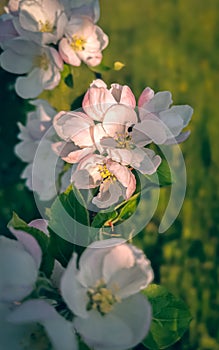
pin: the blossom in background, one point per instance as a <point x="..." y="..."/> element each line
<point x="98" y="98"/>
<point x="115" y="180"/>
<point x="39" y="131"/>
<point x="42" y="64"/>
<point x="89" y="8"/>
<point x="83" y="41"/>
<point x="7" y="29"/>
<point x="103" y="293"/>
<point x="155" y="108"/>
<point x="41" y="21"/>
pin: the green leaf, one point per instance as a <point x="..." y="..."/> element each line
<point x="162" y="177"/>
<point x="171" y="318"/>
<point x="104" y="218"/>
<point x="129" y="207"/>
<point x="101" y="68"/>
<point x="47" y="263"/>
<point x="69" y="225"/>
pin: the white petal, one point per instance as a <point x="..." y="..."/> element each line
<point x="152" y="129"/>
<point x="30" y="245"/>
<point x="117" y="116"/>
<point x="18" y="270"/>
<point x="185" y="113"/>
<point x="103" y="332"/>
<point x="30" y="86"/>
<point x="172" y="121"/>
<point x="15" y="63"/>
<point x="122" y="258"/>
<point x="161" y="101"/>
<point x="74" y="294"/>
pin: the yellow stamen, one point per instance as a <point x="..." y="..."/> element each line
<point x="101" y="298"/>
<point x="45" y="27"/>
<point x="78" y="43"/>
<point x="105" y="173"/>
<point x="124" y="140"/>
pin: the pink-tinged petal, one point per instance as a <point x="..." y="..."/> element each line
<point x="146" y="95"/>
<point x="30" y="245"/>
<point x="40" y="224"/>
<point x="98" y="83"/>
<point x="74" y="126"/>
<point x="97" y="100"/>
<point x="124" y="176"/>
<point x="13" y="5"/>
<point x="87" y="173"/>
<point x="90" y="58"/>
<point x="123" y="95"/>
<point x="118" y="118"/>
<point x="56" y="58"/>
<point x="76" y="156"/>
<point x="122" y="258"/>
<point x="68" y="54"/>
<point x="62" y="148"/>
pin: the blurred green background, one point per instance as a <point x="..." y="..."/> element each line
<point x="167" y="45"/>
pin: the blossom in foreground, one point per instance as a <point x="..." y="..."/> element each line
<point x="41" y="64"/>
<point x="114" y="180"/>
<point x="103" y="293"/>
<point x="41" y="21"/>
<point x="156" y="108"/>
<point x="57" y="330"/>
<point x="83" y="41"/>
<point x="19" y="264"/>
<point x="7" y="29"/>
<point x="98" y="98"/>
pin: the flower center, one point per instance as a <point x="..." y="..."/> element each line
<point x="101" y="298"/>
<point x="124" y="140"/>
<point x="77" y="43"/>
<point x="45" y="27"/>
<point x="105" y="173"/>
<point x="41" y="61"/>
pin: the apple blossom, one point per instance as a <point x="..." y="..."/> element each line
<point x="114" y="179"/>
<point x="83" y="41"/>
<point x="116" y="138"/>
<point x="42" y="21"/>
<point x="103" y="293"/>
<point x="7" y="29"/>
<point x="38" y="126"/>
<point x="156" y="108"/>
<point x="42" y="64"/>
<point x="98" y="98"/>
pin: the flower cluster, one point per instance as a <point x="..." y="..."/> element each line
<point x="108" y="139"/>
<point x="38" y="35"/>
<point x="94" y="300"/>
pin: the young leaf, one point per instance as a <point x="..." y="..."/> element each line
<point x="43" y="240"/>
<point x="170" y="319"/>
<point x="103" y="218"/>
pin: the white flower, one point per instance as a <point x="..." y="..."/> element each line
<point x="83" y="41"/>
<point x="20" y="329"/>
<point x="42" y="64"/>
<point x="104" y="294"/>
<point x="38" y="127"/>
<point x="19" y="264"/>
<point x="42" y="21"/>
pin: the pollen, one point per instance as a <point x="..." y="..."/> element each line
<point x="41" y="61"/>
<point x="105" y="173"/>
<point x="45" y="27"/>
<point x="101" y="298"/>
<point x="78" y="43"/>
<point x="124" y="140"/>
